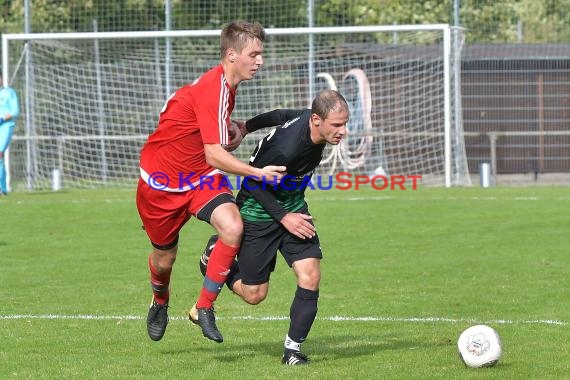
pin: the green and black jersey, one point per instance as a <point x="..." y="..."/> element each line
<point x="289" y="145"/>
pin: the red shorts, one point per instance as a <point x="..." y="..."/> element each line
<point x="164" y="213"/>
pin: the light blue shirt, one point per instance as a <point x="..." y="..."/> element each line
<point x="9" y="105"/>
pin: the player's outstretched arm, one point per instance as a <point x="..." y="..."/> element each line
<point x="219" y="158"/>
<point x="272" y="173"/>
<point x="239" y="129"/>
<point x="270" y="119"/>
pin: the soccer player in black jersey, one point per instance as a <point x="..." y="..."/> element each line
<point x="276" y="216"/>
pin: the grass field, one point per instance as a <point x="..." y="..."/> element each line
<point x="404" y="273"/>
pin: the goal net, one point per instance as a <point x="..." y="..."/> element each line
<point x="89" y="100"/>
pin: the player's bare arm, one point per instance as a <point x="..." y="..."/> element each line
<point x="219" y="158"/>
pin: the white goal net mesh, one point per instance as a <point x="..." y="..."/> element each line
<point x="88" y="104"/>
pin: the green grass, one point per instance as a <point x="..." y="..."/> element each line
<point x="408" y="269"/>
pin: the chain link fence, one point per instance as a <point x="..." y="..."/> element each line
<point x="515" y="64"/>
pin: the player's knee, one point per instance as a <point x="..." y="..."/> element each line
<point x="164" y="260"/>
<point x="309" y="280"/>
<point x="254" y="296"/>
<point x="308" y="273"/>
<point x="235" y="230"/>
<point x="311" y="284"/>
<point x="231" y="233"/>
<point x="226" y="219"/>
<point x="254" y="299"/>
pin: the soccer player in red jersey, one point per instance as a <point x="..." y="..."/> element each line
<point x="189" y="148"/>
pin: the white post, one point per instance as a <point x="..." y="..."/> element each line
<point x="100" y="105"/>
<point x="56" y="180"/>
<point x="31" y="151"/>
<point x="485" y="174"/>
<point x="446" y="103"/>
<point x="311" y="62"/>
<point x="168" y="51"/>
<point x="457" y="127"/>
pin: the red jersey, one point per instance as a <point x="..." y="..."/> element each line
<point x="196" y="114"/>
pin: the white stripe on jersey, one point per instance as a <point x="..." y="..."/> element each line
<point x="223" y="112"/>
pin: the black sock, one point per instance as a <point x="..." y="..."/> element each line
<point x="302" y="314"/>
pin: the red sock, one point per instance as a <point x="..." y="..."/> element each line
<point x="219" y="264"/>
<point x="159" y="283"/>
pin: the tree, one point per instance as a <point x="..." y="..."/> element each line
<point x="485" y="20"/>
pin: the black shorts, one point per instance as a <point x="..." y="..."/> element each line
<point x="258" y="252"/>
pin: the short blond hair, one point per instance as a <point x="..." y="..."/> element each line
<point x="237" y="34"/>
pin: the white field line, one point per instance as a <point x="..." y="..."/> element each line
<point x="282" y="318"/>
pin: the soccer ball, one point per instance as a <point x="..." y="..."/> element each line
<point x="479" y="346"/>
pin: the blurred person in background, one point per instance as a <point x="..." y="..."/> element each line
<point x="9" y="111"/>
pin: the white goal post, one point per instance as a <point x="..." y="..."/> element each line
<point x="89" y="100"/>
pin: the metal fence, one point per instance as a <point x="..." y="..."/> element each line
<point x="515" y="68"/>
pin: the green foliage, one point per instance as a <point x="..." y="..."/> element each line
<point x="485" y="20"/>
<point x="499" y="19"/>
<point x="545" y="22"/>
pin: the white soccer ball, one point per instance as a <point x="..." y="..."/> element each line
<point x="480" y="346"/>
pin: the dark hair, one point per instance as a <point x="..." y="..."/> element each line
<point x="327" y="101"/>
<point x="237" y="34"/>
